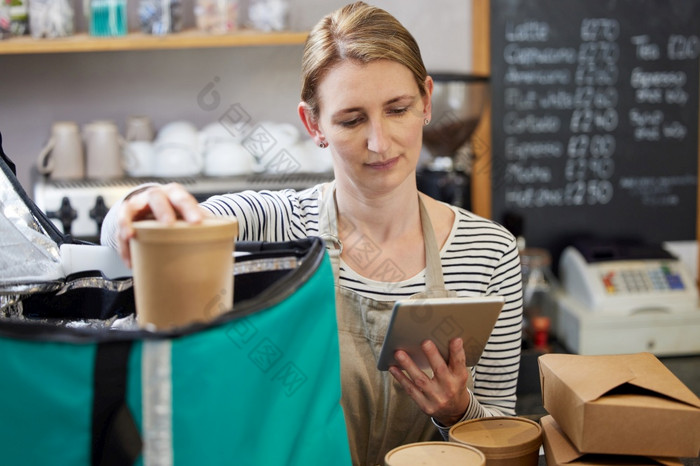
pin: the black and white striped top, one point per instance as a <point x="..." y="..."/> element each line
<point x="480" y="257"/>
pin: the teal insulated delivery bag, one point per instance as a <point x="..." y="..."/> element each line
<point x="81" y="385"/>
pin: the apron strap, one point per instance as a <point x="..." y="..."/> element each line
<point x="434" y="280"/>
<point x="328" y="230"/>
<point x="328" y="227"/>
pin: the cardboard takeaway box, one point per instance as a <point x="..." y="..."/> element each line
<point x="628" y="404"/>
<point x="559" y="451"/>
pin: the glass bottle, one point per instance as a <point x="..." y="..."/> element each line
<point x="268" y="15"/>
<point x="159" y="17"/>
<point x="19" y="17"/>
<point x="108" y="18"/>
<point x="216" y="16"/>
<point x="51" y="18"/>
<point x="538" y="283"/>
<point x="5" y="19"/>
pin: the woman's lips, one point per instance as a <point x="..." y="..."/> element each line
<point x="384" y="165"/>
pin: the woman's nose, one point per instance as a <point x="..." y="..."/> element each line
<point x="378" y="138"/>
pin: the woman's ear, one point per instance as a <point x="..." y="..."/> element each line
<point x="427" y="102"/>
<point x="310" y="121"/>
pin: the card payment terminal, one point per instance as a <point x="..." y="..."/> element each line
<point x="625" y="279"/>
<point x="625" y="298"/>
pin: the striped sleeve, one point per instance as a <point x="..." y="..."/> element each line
<point x="494" y="270"/>
<point x="269" y="215"/>
<point x="496" y="374"/>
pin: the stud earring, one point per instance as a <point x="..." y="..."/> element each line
<point x="323" y="144"/>
<point x="426" y="122"/>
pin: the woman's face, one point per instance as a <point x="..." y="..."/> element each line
<point x="372" y="116"/>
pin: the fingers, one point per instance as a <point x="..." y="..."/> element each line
<point x="177" y="203"/>
<point x="163" y="203"/>
<point x="445" y="395"/>
<point x="129" y="211"/>
<point x="436" y="360"/>
<point x="456" y="361"/>
<point x="458" y="358"/>
<point x="441" y="369"/>
<point x="414" y="381"/>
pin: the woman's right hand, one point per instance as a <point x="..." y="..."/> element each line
<point x="164" y="203"/>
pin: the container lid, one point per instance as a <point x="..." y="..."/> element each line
<point x="499" y="437"/>
<point x="434" y="454"/>
<point x="209" y="229"/>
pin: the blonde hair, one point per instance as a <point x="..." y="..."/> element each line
<point x="358" y="32"/>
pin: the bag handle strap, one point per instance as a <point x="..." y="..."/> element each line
<point x="116" y="440"/>
<point x="6" y="159"/>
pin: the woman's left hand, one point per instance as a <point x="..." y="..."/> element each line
<point x="444" y="396"/>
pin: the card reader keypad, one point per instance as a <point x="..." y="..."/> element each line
<point x="642" y="279"/>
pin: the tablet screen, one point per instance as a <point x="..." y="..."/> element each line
<point x="440" y="320"/>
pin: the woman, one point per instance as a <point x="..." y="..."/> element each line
<point x="365" y="97"/>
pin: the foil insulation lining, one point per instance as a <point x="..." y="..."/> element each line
<point x="29" y="258"/>
<point x="266" y="265"/>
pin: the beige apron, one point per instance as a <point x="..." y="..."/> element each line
<point x="378" y="412"/>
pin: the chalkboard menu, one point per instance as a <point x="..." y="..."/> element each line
<point x="595" y="118"/>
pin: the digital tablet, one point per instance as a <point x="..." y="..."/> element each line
<point x="440" y="320"/>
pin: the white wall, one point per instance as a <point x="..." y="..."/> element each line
<point x="441" y="27"/>
<point x="36" y="90"/>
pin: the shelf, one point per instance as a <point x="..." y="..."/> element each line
<point x="140" y="41"/>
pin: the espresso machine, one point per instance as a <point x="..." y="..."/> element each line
<point x="444" y="168"/>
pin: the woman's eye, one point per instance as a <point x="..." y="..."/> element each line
<point x="398" y="111"/>
<point x="350" y="123"/>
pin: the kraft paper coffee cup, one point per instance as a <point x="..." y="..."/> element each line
<point x="505" y="441"/>
<point x="183" y="272"/>
<point x="434" y="454"/>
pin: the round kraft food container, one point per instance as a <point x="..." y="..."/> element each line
<point x="505" y="441"/>
<point x="183" y="273"/>
<point x="434" y="454"/>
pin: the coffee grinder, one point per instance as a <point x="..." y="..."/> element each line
<point x="444" y="168"/>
